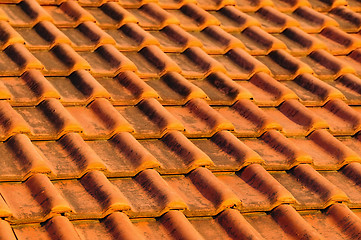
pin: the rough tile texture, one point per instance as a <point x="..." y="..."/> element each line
<point x="190" y="119"/>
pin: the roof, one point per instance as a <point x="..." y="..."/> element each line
<point x="192" y="119"/>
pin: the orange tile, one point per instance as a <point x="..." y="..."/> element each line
<point x="310" y="188"/>
<point x="111" y="15"/>
<point x="131" y="37"/>
<point x="99" y="120"/>
<point x="248" y="119"/>
<point x="123" y="155"/>
<point x="215" y="5"/>
<point x="257" y="41"/>
<point x="121" y="227"/>
<point x="152" y="17"/>
<point x="173" y="38"/>
<point x="9" y="35"/>
<point x="273" y="20"/>
<point x="312" y="21"/>
<point x="63" y="60"/>
<point x="312" y="91"/>
<point x="152" y="62"/>
<point x="174" y="89"/>
<point x="241" y="65"/>
<point x="6" y="231"/>
<point x="156" y="120"/>
<point x="322" y="6"/>
<point x="348" y="20"/>
<point x="233" y="20"/>
<point x="277" y="151"/>
<point x="283" y="65"/>
<point x="222" y="90"/>
<point x="199" y="119"/>
<point x="266" y="91"/>
<point x="43" y="36"/>
<point x="193" y="18"/>
<point x="26" y="13"/>
<point x="284" y="6"/>
<point x="251" y="6"/>
<point x="257" y="189"/>
<point x="68" y="14"/>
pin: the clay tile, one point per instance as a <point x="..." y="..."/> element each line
<point x="136" y="85"/>
<point x="203" y="61"/>
<point x="233" y="146"/>
<point x="330" y="144"/>
<point x="350" y="81"/>
<point x="140" y="157"/>
<point x="11" y="122"/>
<point x="4" y="208"/>
<point x="207" y="114"/>
<point x="6" y="231"/>
<point x="307" y="41"/>
<point x="85" y="157"/>
<point x="348" y="42"/>
<point x="179" y="226"/>
<point x="227" y="40"/>
<point x="283" y="145"/>
<point x="184" y="148"/>
<point x="59" y="227"/>
<point x="159" y="115"/>
<point x="344" y="112"/>
<point x="202" y="17"/>
<point x="87" y="84"/>
<point x="50" y="33"/>
<point x="181" y="36"/>
<point x="159" y="59"/>
<point x="273" y="15"/>
<point x="158" y="188"/>
<point x="40" y="85"/>
<point x="237" y="226"/>
<point x="242" y="20"/>
<point x="248" y="64"/>
<point x="160" y="15"/>
<point x="60" y="117"/>
<point x="320" y="185"/>
<point x="138" y="34"/>
<point x="253" y="5"/>
<point x="115" y="11"/>
<point x="348" y="15"/>
<point x="31" y="160"/>
<point x="109" y="197"/>
<point x="318" y="87"/>
<point x="293" y="223"/>
<point x="76" y="12"/>
<point x="121" y="227"/>
<point x="35" y="11"/>
<point x="353" y="171"/>
<point x="262" y="37"/>
<point x="22" y="57"/>
<point x="259" y="178"/>
<point x="215" y="4"/>
<point x="294" y="66"/>
<point x="47" y="195"/>
<point x="345" y="219"/>
<point x="95" y="34"/>
<point x="299" y="114"/>
<point x="213" y="189"/>
<point x="110" y="116"/>
<point x="254" y="114"/>
<point x="8" y="35"/>
<point x="319" y="20"/>
<point x="229" y="87"/>
<point x="269" y="84"/>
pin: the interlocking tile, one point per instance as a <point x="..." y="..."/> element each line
<point x="349" y="20"/>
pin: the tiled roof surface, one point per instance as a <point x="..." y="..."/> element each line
<point x="181" y="119"/>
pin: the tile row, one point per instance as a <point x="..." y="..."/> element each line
<point x="230" y="224"/>
<point x="123" y="155"/>
<point x="80" y="88"/>
<point x="198" y="193"/>
<point x="188" y="14"/>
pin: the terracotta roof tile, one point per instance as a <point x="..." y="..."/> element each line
<point x="191" y="119"/>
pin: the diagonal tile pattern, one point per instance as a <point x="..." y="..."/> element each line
<point x="192" y="119"/>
